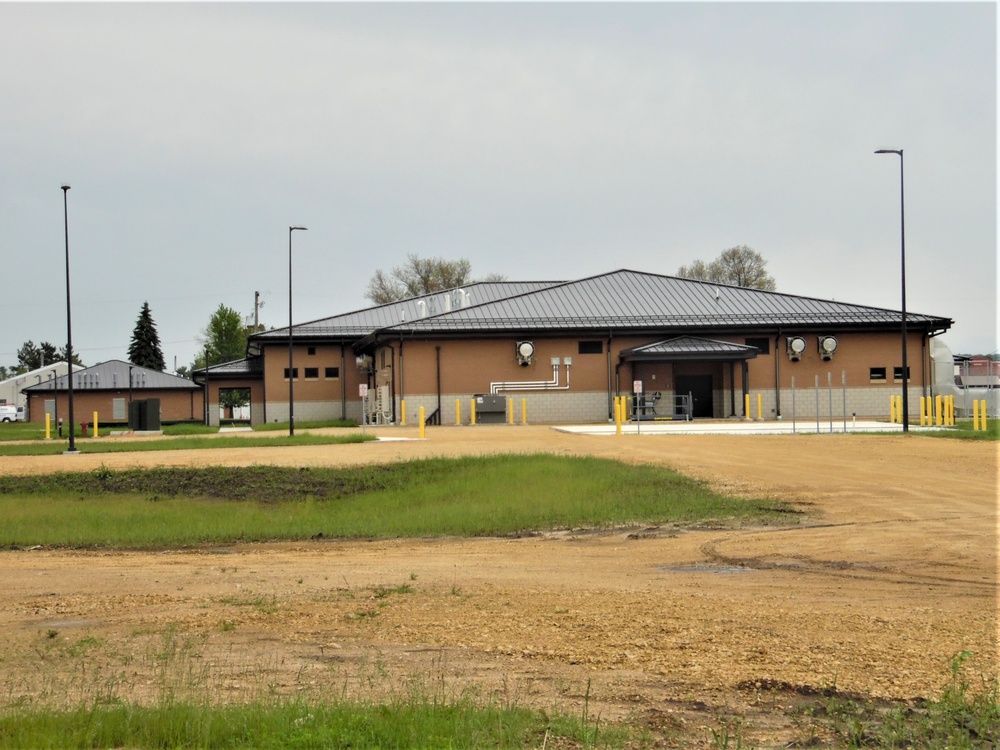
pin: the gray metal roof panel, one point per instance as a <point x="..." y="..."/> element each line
<point x="362" y="322"/>
<point x="114" y="375"/>
<point x="629" y="300"/>
<point x="690" y="345"/>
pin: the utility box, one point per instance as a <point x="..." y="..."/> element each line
<point x="144" y="415"/>
<point x="491" y="409"/>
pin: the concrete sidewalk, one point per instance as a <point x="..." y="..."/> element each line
<point x="747" y="427"/>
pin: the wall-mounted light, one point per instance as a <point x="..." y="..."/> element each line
<point x="827" y="346"/>
<point x="795" y="345"/>
<point x="525" y="351"/>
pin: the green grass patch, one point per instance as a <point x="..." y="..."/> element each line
<point x="411" y="722"/>
<point x="279" y="426"/>
<point x="194" y="442"/>
<point x="473" y="496"/>
<point x="963" y="431"/>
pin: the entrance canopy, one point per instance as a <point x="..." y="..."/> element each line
<point x="689" y="349"/>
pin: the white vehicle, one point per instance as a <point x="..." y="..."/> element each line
<point x="8" y="412"/>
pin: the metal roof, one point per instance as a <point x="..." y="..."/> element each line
<point x="631" y="300"/>
<point x="353" y="325"/>
<point x="114" y="375"/>
<point x="251" y="366"/>
<point x="690" y="347"/>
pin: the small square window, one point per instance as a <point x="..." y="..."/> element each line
<point x="897" y="374"/>
<point x="332" y="373"/>
<point x="295" y="373"/>
<point x="311" y="351"/>
<point x="590" y="347"/>
<point x="763" y="345"/>
<point x="312" y="373"/>
<point x="876" y="374"/>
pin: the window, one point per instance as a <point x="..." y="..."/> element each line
<point x="312" y="373"/>
<point x="763" y="345"/>
<point x="876" y="374"/>
<point x="311" y="351"/>
<point x="295" y="373"/>
<point x="590" y="347"/>
<point x="332" y="373"/>
<point x="897" y="374"/>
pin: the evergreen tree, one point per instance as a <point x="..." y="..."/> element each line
<point x="145" y="348"/>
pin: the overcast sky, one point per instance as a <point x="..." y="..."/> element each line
<point x="540" y="141"/>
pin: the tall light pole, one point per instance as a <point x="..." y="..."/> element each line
<point x="291" y="372"/>
<point x="902" y="264"/>
<point x="69" y="327"/>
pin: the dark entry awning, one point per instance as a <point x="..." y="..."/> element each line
<point x="688" y="349"/>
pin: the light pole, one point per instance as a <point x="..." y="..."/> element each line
<point x="902" y="264"/>
<point x="69" y="327"/>
<point x="291" y="372"/>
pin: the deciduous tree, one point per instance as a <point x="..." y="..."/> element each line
<point x="737" y="266"/>
<point x="420" y="276"/>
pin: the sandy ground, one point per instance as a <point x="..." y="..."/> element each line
<point x="890" y="572"/>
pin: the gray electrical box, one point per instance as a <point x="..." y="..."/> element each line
<point x="144" y="415"/>
<point x="491" y="409"/>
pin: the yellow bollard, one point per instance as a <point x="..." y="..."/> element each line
<point x="746" y="406"/>
<point x="982" y="411"/>
<point x="95" y="424"/>
<point x="510" y="411"/>
<point x="524" y="411"/>
<point x="760" y="406"/>
<point x="951" y="410"/>
<point x="458" y="412"/>
<point x="48" y="426"/>
<point x="618" y="415"/>
<point x="892" y="409"/>
<point x="421" y="423"/>
<point x="938" y="410"/>
<point x="975" y="416"/>
<point x="923" y="411"/>
<point x="472" y="411"/>
<point x="402" y="412"/>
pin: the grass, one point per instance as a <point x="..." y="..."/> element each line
<point x="963" y="431"/>
<point x="193" y="442"/>
<point x="491" y="496"/>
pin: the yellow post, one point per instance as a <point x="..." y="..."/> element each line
<point x="951" y="411"/>
<point x="923" y="410"/>
<point x="760" y="406"/>
<point x="458" y="412"/>
<point x="402" y="412"/>
<point x="618" y="415"/>
<point x="472" y="411"/>
<point x="975" y="416"/>
<point x="421" y="423"/>
<point x="48" y="426"/>
<point x="938" y="410"/>
<point x="983" y="412"/>
<point x="524" y="411"/>
<point x="892" y="408"/>
<point x="746" y="405"/>
<point x="510" y="411"/>
<point x="95" y="424"/>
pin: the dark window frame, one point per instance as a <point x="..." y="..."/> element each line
<point x="877" y="374"/>
<point x="754" y="341"/>
<point x="331" y="373"/>
<point x="590" y="347"/>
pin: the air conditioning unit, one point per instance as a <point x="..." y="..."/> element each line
<point x="525" y="351"/>
<point x="827" y="346"/>
<point x="795" y="346"/>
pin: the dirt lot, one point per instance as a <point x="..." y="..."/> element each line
<point x="890" y="572"/>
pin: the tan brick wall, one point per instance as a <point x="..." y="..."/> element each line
<point x="175" y="406"/>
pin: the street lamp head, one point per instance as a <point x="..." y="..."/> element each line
<point x="890" y="151"/>
<point x="292" y="229"/>
<point x="65" y="187"/>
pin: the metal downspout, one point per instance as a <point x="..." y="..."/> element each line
<point x="611" y="399"/>
<point x="437" y="357"/>
<point x="777" y="377"/>
<point x="343" y="385"/>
